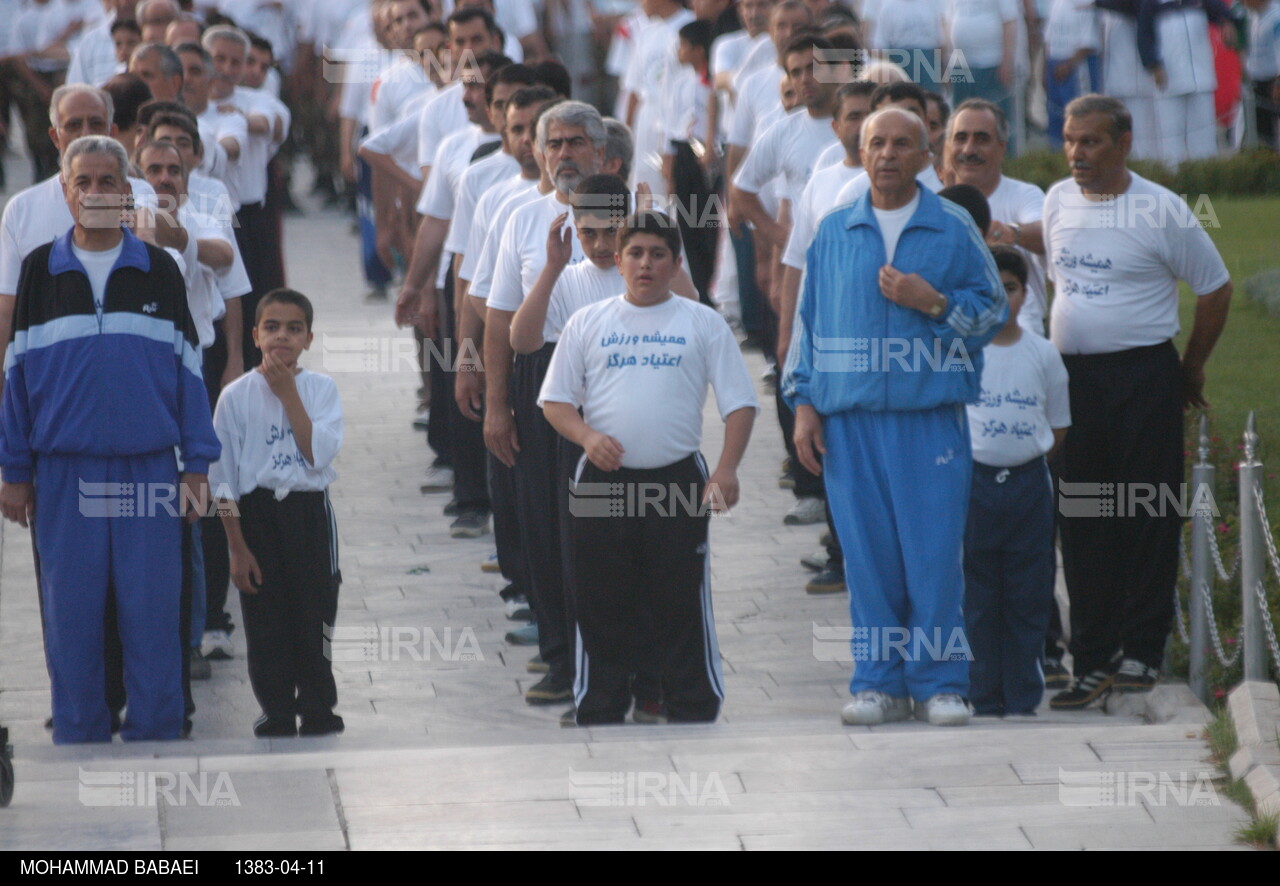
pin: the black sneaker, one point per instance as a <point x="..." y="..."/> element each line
<point x="198" y="668"/>
<point x="452" y="509"/>
<point x="569" y="719"/>
<point x="1084" y="692"/>
<point x="1056" y="676"/>
<point x="829" y="581"/>
<point x="1134" y="676"/>
<point x="549" y="690"/>
<point x="321" y="724"/>
<point x="275" y="727"/>
<point x="536" y="665"/>
<point x="470" y="524"/>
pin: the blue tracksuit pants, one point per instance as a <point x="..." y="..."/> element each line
<point x="898" y="488"/>
<point x="1008" y="571"/>
<point x="87" y="536"/>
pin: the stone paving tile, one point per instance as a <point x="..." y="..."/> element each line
<point x="442" y="752"/>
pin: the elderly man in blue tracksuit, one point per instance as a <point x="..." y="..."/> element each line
<point x="102" y="383"/>
<point x="900" y="297"/>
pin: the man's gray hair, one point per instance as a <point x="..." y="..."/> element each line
<point x="578" y="114"/>
<point x="74" y="89"/>
<point x="1121" y="121"/>
<point x="920" y="125"/>
<point x="95" y="144"/>
<point x="982" y="104"/>
<point x="170" y="64"/>
<point x="620" y="146"/>
<point x="224" y="32"/>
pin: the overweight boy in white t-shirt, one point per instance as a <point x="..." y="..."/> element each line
<point x="638" y="366"/>
<point x="1021" y="416"/>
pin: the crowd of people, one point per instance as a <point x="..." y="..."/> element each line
<point x="572" y="252"/>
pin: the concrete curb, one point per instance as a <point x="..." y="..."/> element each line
<point x="1255" y="711"/>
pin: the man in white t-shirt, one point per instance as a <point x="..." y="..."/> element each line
<point x="977" y="137"/>
<point x="572" y="138"/>
<point x="93" y="61"/>
<point x="1117" y="245"/>
<point x="984" y="33"/>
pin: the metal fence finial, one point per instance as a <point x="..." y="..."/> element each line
<point x="1250" y="439"/>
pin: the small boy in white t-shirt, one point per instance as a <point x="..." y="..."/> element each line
<point x="281" y="428"/>
<point x="638" y="366"/>
<point x="1021" y="417"/>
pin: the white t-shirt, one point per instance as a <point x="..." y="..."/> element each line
<point x="492" y="213"/>
<point x="39" y="215"/>
<point x="453" y="157"/>
<point x="1116" y="264"/>
<point x="1021" y="202"/>
<point x="98" y="266"/>
<point x="578" y="286"/>
<point x="394" y="89"/>
<point x="258" y="449"/>
<point x="214" y="126"/>
<point x="640" y="375"/>
<point x="247" y="176"/>
<point x="893" y="222"/>
<point x="400" y="142"/>
<point x="1024" y="399"/>
<point x="977" y="29"/>
<point x="204" y="297"/>
<point x="757" y="96"/>
<point x="831" y="155"/>
<point x="1072" y="25"/>
<point x="94" y="59"/>
<point x="790" y="148"/>
<point x="522" y="252"/>
<point x="904" y="24"/>
<point x="210" y="199"/>
<point x="443" y="114"/>
<point x="477" y="179"/>
<point x="816" y="200"/>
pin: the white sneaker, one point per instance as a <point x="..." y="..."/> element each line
<point x="437" y="479"/>
<point x="871" y="708"/>
<point x="423" y="419"/>
<point x="944" y="709"/>
<point x="216" y="645"/>
<point x="806" y="512"/>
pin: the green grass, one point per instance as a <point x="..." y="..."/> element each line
<point x="1244" y="372"/>
<point x="1220" y="734"/>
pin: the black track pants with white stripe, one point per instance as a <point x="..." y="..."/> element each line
<point x="643" y="601"/>
<point x="295" y="542"/>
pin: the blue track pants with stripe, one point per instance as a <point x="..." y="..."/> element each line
<point x="101" y="520"/>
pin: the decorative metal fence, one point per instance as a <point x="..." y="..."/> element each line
<point x="1257" y="549"/>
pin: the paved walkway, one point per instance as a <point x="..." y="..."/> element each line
<point x="442" y="752"/>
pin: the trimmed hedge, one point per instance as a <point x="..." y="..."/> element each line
<point x="1249" y="174"/>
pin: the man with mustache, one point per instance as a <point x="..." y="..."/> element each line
<point x="1117" y="245"/>
<point x="976" y="141"/>
<point x="572" y="137"/>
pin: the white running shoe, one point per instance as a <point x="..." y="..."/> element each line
<point x="437" y="479"/>
<point x="944" y="709"/>
<point x="216" y="646"/>
<point x="871" y="708"/>
<point x="806" y="511"/>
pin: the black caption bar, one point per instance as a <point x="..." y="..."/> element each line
<point x="277" y="866"/>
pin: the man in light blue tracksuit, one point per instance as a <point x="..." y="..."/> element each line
<point x="900" y="297"/>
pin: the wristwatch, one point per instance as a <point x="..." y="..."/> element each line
<point x="1017" y="232"/>
<point x="938" y="307"/>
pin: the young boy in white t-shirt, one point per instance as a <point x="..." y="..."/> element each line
<point x="639" y="365"/>
<point x="281" y="428"/>
<point x="1021" y="417"/>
